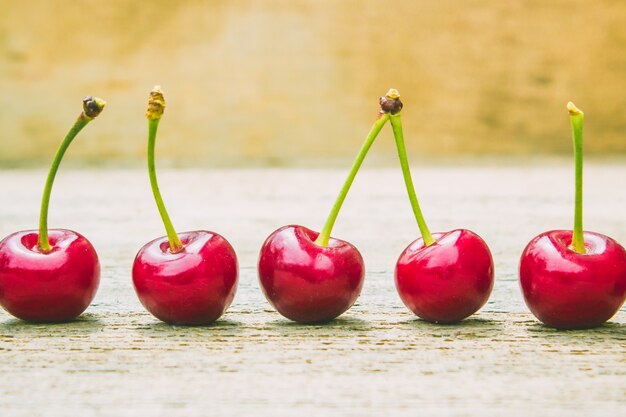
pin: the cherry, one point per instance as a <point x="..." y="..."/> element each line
<point x="50" y="275"/>
<point x="310" y="277"/>
<point x="446" y="281"/>
<point x="574" y="279"/>
<point x="188" y="278"/>
<point x="307" y="282"/>
<point x="441" y="277"/>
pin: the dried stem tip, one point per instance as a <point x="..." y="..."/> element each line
<point x="573" y="110"/>
<point x="392" y="94"/>
<point x="156" y="104"/>
<point x="93" y="106"/>
<point x="390" y="102"/>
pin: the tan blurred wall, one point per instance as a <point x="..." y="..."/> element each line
<point x="290" y="82"/>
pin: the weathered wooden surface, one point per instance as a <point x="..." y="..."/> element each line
<point x="377" y="359"/>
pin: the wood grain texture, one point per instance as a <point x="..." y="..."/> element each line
<point x="377" y="359"/>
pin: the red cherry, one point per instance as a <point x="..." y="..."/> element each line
<point x="189" y="278"/>
<point x="447" y="281"/>
<point x="306" y="282"/>
<point x="570" y="290"/>
<point x="50" y="275"/>
<point x="573" y="279"/>
<point x="193" y="286"/>
<point x="52" y="286"/>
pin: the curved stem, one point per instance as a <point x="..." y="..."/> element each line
<point x="92" y="106"/>
<point x="324" y="235"/>
<point x="576" y="119"/>
<point x="156" y="106"/>
<point x="172" y="237"/>
<point x="396" y="125"/>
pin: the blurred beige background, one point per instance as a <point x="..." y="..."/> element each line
<point x="296" y="82"/>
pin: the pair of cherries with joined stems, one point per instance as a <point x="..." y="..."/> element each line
<point x="311" y="277"/>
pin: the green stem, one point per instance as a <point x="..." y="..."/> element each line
<point x="396" y="125"/>
<point x="156" y="105"/>
<point x="324" y="235"/>
<point x="576" y="119"/>
<point x="92" y="106"/>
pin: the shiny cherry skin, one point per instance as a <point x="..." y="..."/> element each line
<point x="48" y="287"/>
<point x="306" y="282"/>
<point x="194" y="286"/>
<point x="448" y="280"/>
<point x="569" y="290"/>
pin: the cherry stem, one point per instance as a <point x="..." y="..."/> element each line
<point x="396" y="125"/>
<point x="156" y="106"/>
<point x="576" y="119"/>
<point x="324" y="236"/>
<point x="92" y="107"/>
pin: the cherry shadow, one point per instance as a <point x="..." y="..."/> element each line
<point x="84" y="324"/>
<point x="221" y="327"/>
<point x="340" y="326"/>
<point x="469" y="322"/>
<point x="605" y="332"/>
<point x="470" y="328"/>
